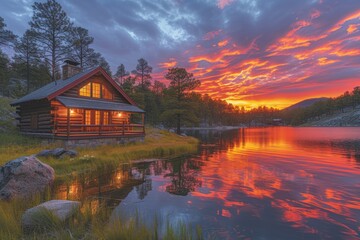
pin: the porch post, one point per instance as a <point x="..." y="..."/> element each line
<point x="68" y="122"/>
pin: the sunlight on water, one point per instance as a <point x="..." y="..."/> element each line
<point x="262" y="183"/>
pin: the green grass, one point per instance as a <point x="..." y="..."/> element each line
<point x="157" y="144"/>
<point x="87" y="224"/>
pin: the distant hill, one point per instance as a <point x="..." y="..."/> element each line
<point x="305" y="103"/>
<point x="349" y="117"/>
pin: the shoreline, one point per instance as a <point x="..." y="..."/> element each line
<point x="158" y="144"/>
<point x="214" y="128"/>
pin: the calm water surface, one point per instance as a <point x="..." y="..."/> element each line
<point x="261" y="183"/>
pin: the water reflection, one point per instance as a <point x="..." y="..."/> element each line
<point x="265" y="183"/>
<point x="104" y="186"/>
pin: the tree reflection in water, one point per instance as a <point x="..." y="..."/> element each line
<point x="183" y="177"/>
<point x="263" y="183"/>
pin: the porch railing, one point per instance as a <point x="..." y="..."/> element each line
<point x="82" y="130"/>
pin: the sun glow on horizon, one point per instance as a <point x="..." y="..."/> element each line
<point x="309" y="60"/>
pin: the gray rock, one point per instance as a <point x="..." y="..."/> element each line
<point x="57" y="152"/>
<point x="23" y="177"/>
<point x="62" y="209"/>
<point x="44" y="153"/>
<point x="70" y="153"/>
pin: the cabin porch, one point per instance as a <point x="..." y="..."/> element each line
<point x="85" y="123"/>
<point x="81" y="118"/>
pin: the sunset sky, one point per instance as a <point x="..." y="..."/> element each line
<point x="248" y="52"/>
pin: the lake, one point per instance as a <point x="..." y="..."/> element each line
<point x="252" y="183"/>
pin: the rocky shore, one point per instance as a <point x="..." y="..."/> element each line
<point x="349" y="118"/>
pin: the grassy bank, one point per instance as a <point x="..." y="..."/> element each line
<point x="87" y="224"/>
<point x="157" y="144"/>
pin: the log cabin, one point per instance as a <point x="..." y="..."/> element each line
<point x="83" y="105"/>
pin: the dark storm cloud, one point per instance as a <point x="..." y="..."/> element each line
<point x="240" y="49"/>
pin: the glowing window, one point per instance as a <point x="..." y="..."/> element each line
<point x="106" y="93"/>
<point x="85" y="90"/>
<point x="106" y="118"/>
<point x="97" y="117"/>
<point x="96" y="92"/>
<point x="87" y="117"/>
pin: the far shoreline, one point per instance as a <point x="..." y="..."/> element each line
<point x="214" y="128"/>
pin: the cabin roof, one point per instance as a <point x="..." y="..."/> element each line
<point x="71" y="102"/>
<point x="50" y="88"/>
<point x="53" y="89"/>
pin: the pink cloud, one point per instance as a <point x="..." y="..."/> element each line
<point x="223" y="3"/>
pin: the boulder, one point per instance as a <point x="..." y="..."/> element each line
<point x="44" y="153"/>
<point x="57" y="153"/>
<point x="23" y="177"/>
<point x="61" y="209"/>
<point x="70" y="153"/>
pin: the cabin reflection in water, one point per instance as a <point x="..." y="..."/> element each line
<point x="108" y="187"/>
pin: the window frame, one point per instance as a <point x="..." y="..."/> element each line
<point x="102" y="89"/>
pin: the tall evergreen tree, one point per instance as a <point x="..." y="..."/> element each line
<point x="105" y="65"/>
<point x="52" y="27"/>
<point x="179" y="108"/>
<point x="6" y="39"/>
<point x="80" y="45"/>
<point x="121" y="73"/>
<point x="27" y="53"/>
<point x="4" y="72"/>
<point x="142" y="73"/>
<point x="6" y="36"/>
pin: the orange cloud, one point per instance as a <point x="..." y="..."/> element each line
<point x="296" y="66"/>
<point x="223" y="43"/>
<point x="352" y="28"/>
<point x="352" y="16"/>
<point x="170" y="64"/>
<point x="325" y="61"/>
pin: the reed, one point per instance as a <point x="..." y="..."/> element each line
<point x="88" y="223"/>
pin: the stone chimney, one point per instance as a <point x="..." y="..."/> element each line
<point x="70" y="68"/>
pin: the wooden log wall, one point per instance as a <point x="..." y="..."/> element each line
<point x="61" y="120"/>
<point x="124" y="118"/>
<point x="117" y="97"/>
<point x="35" y="117"/>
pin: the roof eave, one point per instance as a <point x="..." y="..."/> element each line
<point x="16" y="103"/>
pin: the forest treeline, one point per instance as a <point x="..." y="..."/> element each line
<point x="298" y="116"/>
<point x="38" y="54"/>
<point x="52" y="37"/>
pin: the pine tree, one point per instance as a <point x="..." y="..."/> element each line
<point x="52" y="27"/>
<point x="178" y="105"/>
<point x="27" y="53"/>
<point x="80" y="45"/>
<point x="121" y="73"/>
<point x="142" y="73"/>
<point x="6" y="36"/>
